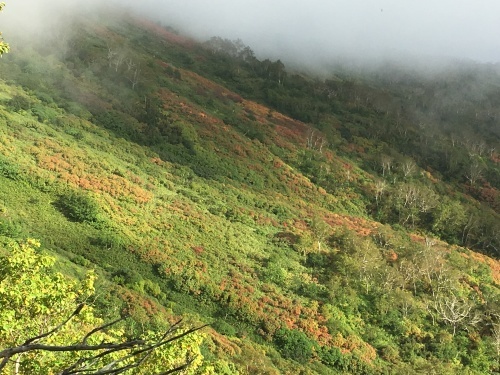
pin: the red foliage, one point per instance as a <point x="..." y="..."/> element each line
<point x="352" y="147"/>
<point x="157" y="161"/>
<point x="493" y="264"/>
<point x="165" y="34"/>
<point x="360" y="226"/>
<point x="490" y="195"/>
<point x="198" y="249"/>
<point x="495" y="157"/>
<point x="134" y="300"/>
<point x="391" y="256"/>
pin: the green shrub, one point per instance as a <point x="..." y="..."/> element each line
<point x="9" y="228"/>
<point x="78" y="207"/>
<point x="77" y="134"/>
<point x="331" y="357"/>
<point x="18" y="103"/>
<point x="275" y="272"/>
<point x="77" y="110"/>
<point x="107" y="239"/>
<point x="224" y="328"/>
<point x="7" y="169"/>
<point x="294" y="345"/>
<point x="130" y="278"/>
<point x="81" y="261"/>
<point x="43" y="113"/>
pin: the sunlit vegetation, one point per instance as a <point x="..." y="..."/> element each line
<point x="42" y="313"/>
<point x="347" y="225"/>
<point x="4" y="47"/>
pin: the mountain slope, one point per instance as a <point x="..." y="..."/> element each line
<point x="311" y="247"/>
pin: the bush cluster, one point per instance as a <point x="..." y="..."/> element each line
<point x="78" y="207"/>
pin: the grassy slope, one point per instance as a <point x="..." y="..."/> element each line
<point x="220" y="217"/>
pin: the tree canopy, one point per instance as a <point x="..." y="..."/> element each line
<point x="47" y="325"/>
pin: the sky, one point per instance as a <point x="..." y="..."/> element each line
<point x="316" y="31"/>
<point x="371" y="29"/>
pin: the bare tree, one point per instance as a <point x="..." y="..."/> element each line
<point x="454" y="311"/>
<point x="386" y="164"/>
<point x="474" y="172"/>
<point x="118" y="61"/>
<point x="475" y="147"/>
<point x="455" y="139"/>
<point x="414" y="200"/>
<point x="130" y="64"/>
<point x="380" y="187"/>
<point x="410" y="272"/>
<point x="135" y="77"/>
<point x="320" y="230"/>
<point x="370" y="262"/>
<point x="408" y="167"/>
<point x="111" y="56"/>
<point x="426" y="266"/>
<point x="469" y="227"/>
<point x="316" y="141"/>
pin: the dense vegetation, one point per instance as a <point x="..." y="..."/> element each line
<point x="42" y="313"/>
<point x="343" y="225"/>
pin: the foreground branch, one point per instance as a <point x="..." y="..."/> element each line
<point x="135" y="352"/>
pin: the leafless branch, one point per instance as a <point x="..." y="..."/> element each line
<point x="47" y="334"/>
<point x="138" y="350"/>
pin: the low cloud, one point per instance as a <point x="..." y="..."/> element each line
<point x="364" y="29"/>
<point x="312" y="32"/>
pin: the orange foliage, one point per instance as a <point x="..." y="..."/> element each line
<point x="198" y="249"/>
<point x="224" y="344"/>
<point x="493" y="264"/>
<point x="134" y="300"/>
<point x="361" y="226"/>
<point x="391" y="256"/>
<point x="490" y="195"/>
<point x="429" y="175"/>
<point x="77" y="173"/>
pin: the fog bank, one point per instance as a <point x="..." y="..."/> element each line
<point x="313" y="32"/>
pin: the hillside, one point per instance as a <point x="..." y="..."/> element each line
<point x="341" y="225"/>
